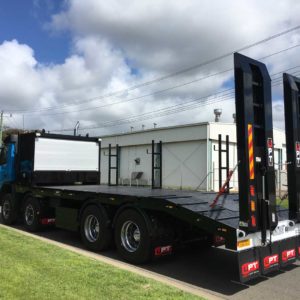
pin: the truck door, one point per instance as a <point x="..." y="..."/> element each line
<point x="3" y="164"/>
<point x="7" y="165"/>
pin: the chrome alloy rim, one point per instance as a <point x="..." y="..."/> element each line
<point x="29" y="214"/>
<point x="130" y="236"/>
<point x="6" y="209"/>
<point x="91" y="228"/>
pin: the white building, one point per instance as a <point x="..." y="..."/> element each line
<point x="189" y="155"/>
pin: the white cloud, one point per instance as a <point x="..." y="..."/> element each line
<point x="116" y="44"/>
<point x="19" y="81"/>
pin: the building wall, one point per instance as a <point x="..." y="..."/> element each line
<point x="183" y="165"/>
<point x="167" y="135"/>
<point x="190" y="156"/>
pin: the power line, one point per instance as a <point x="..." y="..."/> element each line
<point x="172" y="109"/>
<point x="178" y="108"/>
<point x="159" y="91"/>
<point x="150" y="82"/>
<point x="14" y="121"/>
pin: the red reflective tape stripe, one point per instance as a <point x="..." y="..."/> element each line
<point x="249" y="129"/>
<point x="250" y="150"/>
<point x="250" y="143"/>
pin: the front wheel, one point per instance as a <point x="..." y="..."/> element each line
<point x="8" y="211"/>
<point x="132" y="237"/>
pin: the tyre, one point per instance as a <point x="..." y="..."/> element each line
<point x="8" y="211"/>
<point x="32" y="213"/>
<point x="132" y="237"/>
<point x="94" y="228"/>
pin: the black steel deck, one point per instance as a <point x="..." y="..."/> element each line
<point x="226" y="211"/>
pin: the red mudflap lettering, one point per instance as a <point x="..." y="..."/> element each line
<point x="47" y="221"/>
<point x="288" y="255"/>
<point x="160" y="251"/>
<point x="271" y="261"/>
<point x="250" y="268"/>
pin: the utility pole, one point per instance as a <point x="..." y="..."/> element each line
<point x="76" y="128"/>
<point x="1" y="127"/>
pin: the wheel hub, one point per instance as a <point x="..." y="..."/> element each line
<point x="92" y="228"/>
<point x="137" y="235"/>
<point x="6" y="209"/>
<point x="130" y="236"/>
<point x="29" y="214"/>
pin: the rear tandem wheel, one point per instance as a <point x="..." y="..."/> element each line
<point x="132" y="237"/>
<point x="94" y="228"/>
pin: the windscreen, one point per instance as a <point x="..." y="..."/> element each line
<point x="65" y="155"/>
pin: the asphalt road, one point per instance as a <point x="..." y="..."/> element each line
<point x="212" y="270"/>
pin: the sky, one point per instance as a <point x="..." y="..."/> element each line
<point x="121" y="65"/>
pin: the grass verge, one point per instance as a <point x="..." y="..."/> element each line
<point x="283" y="203"/>
<point x="32" y="269"/>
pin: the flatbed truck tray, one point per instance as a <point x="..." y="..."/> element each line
<point x="196" y="202"/>
<point x="226" y="211"/>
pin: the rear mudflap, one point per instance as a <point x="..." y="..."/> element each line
<point x="288" y="251"/>
<point x="298" y="247"/>
<point x="259" y="261"/>
<point x="269" y="258"/>
<point x="249" y="264"/>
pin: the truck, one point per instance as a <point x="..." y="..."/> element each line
<point x="55" y="179"/>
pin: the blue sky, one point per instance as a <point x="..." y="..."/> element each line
<point x="25" y="20"/>
<point x="62" y="53"/>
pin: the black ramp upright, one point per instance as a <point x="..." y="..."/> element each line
<point x="257" y="200"/>
<point x="156" y="165"/>
<point x="221" y="167"/>
<point x="292" y="129"/>
<point x="114" y="166"/>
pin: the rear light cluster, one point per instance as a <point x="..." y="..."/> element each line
<point x="218" y="241"/>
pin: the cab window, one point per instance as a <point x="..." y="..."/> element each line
<point x="3" y="152"/>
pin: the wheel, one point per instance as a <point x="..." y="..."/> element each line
<point x="32" y="213"/>
<point x="132" y="237"/>
<point x="94" y="230"/>
<point x="8" y="211"/>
